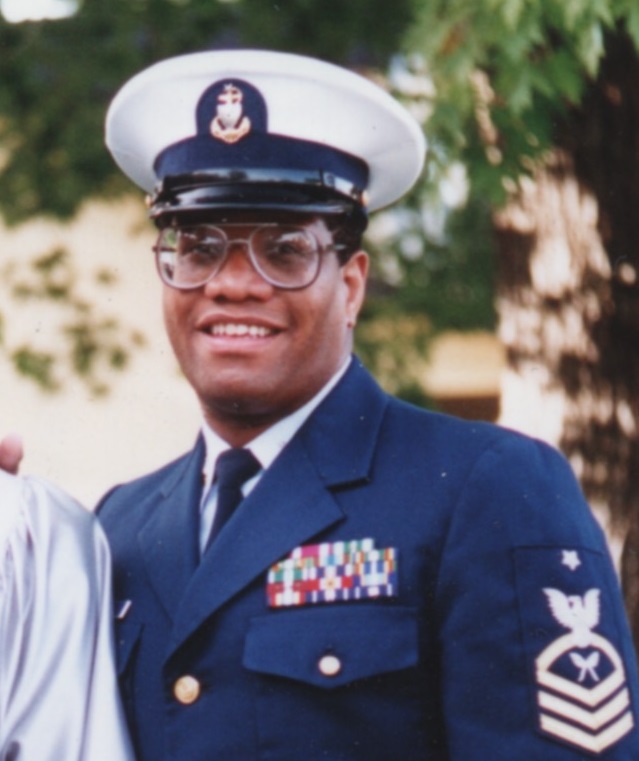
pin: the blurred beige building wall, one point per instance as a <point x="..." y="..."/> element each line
<point x="86" y="442"/>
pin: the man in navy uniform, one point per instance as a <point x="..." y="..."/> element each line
<point x="331" y="573"/>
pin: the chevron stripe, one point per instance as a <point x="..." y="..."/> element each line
<point x="590" y="719"/>
<point x="593" y="743"/>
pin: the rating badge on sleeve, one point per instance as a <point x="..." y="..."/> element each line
<point x="333" y="571"/>
<point x="589" y="706"/>
<point x="581" y="690"/>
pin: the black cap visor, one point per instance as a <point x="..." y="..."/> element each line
<point x="193" y="196"/>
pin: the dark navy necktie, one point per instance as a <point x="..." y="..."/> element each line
<point x="233" y="469"/>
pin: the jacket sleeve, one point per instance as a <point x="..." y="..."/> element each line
<point x="537" y="660"/>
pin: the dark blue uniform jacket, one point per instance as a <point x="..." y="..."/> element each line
<point x="491" y="627"/>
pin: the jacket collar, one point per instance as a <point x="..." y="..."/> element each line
<point x="292" y="503"/>
<point x="169" y="538"/>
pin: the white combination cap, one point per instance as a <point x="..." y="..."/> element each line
<point x="251" y="128"/>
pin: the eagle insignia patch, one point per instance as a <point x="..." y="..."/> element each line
<point x="581" y="692"/>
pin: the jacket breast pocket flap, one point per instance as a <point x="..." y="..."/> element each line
<point x="332" y="645"/>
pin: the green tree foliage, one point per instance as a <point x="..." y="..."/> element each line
<point x="506" y="74"/>
<point x="76" y="336"/>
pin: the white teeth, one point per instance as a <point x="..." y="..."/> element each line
<point x="237" y="329"/>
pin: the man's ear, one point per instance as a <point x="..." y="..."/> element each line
<point x="355" y="273"/>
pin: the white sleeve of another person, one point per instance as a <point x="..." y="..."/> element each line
<point x="58" y="691"/>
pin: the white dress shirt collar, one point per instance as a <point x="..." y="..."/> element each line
<point x="267" y="446"/>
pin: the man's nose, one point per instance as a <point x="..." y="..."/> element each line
<point x="238" y="277"/>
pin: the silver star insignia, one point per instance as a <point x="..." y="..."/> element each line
<point x="570" y="558"/>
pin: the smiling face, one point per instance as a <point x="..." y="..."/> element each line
<point x="254" y="353"/>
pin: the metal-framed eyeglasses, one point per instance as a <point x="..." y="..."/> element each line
<point x="286" y="256"/>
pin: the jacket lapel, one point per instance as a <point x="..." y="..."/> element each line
<point x="168" y="540"/>
<point x="293" y="501"/>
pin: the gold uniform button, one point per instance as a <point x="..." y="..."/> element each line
<point x="329" y="665"/>
<point x="186" y="690"/>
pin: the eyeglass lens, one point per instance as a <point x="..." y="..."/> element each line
<point x="285" y="256"/>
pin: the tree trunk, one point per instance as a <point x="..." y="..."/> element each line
<point x="554" y="305"/>
<point x="568" y="303"/>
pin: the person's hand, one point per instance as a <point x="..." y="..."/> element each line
<point x="11" y="453"/>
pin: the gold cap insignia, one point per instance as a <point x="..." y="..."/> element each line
<point x="230" y="124"/>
